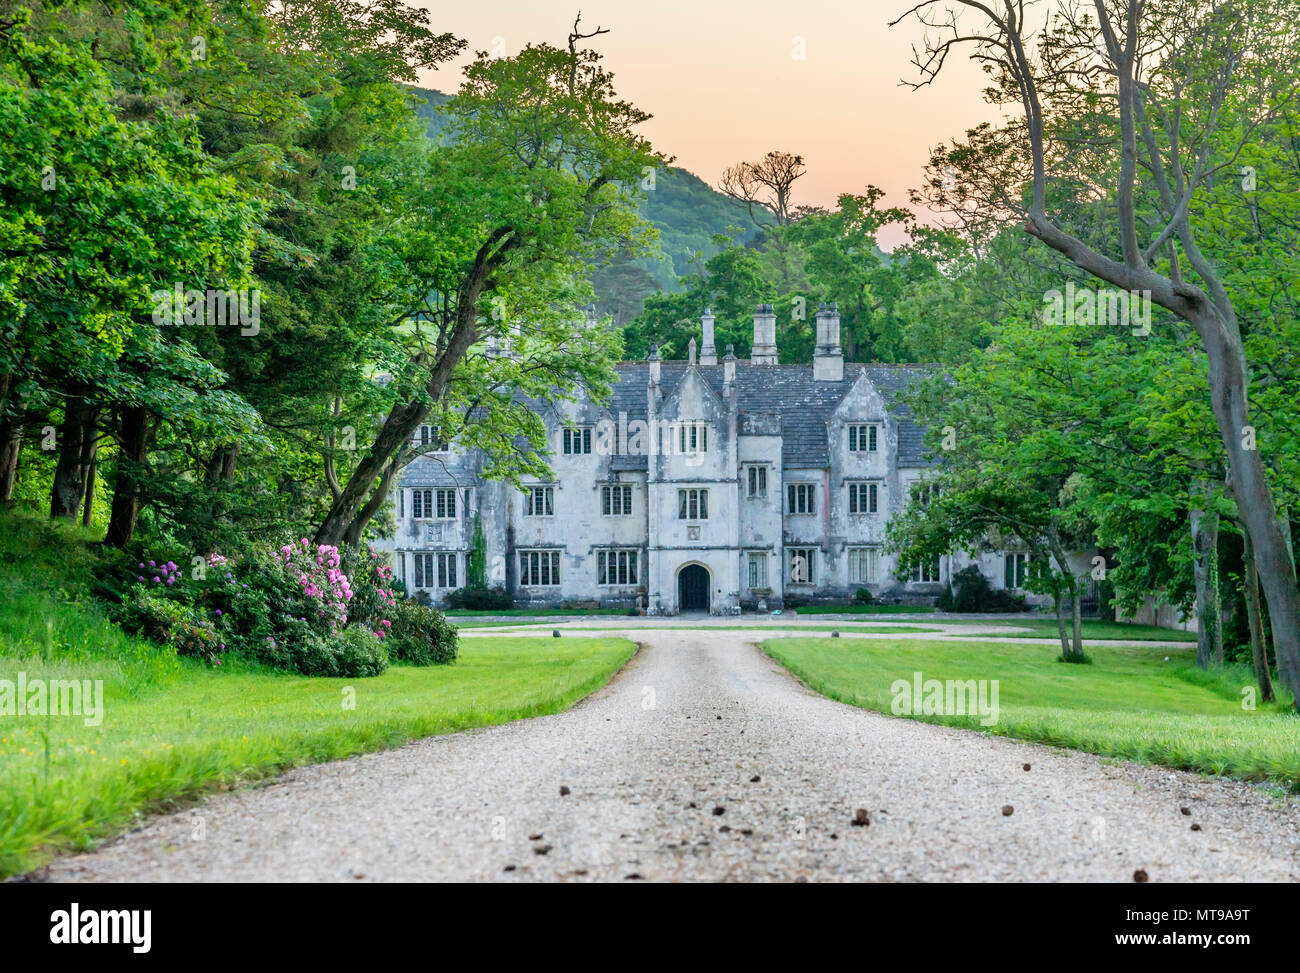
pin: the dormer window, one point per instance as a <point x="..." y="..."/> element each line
<point x="862" y="438"/>
<point x="693" y="437"/>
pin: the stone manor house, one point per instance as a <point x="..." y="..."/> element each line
<point x="703" y="485"/>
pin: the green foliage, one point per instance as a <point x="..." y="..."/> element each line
<point x="353" y="652"/>
<point x="476" y="563"/>
<point x="971" y="592"/>
<point x="480" y="599"/>
<point x="189" y="632"/>
<point x="422" y="636"/>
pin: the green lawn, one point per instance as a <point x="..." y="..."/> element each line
<point x="1129" y="703"/>
<point x="531" y="612"/>
<point x="864" y="610"/>
<point x="1092" y="629"/>
<point x="167" y="738"/>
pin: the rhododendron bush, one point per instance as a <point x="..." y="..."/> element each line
<point x="308" y="608"/>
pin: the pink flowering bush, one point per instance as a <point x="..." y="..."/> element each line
<point x="293" y="607"/>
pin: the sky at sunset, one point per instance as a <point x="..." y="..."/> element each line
<point x="724" y="83"/>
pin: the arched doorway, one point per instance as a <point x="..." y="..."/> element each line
<point x="693" y="588"/>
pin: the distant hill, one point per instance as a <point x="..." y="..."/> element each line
<point x="686" y="210"/>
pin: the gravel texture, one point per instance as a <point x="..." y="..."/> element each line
<point x="704" y="760"/>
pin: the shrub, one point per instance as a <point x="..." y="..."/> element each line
<point x="292" y="608"/>
<point x="971" y="592"/>
<point x="422" y="635"/>
<point x="354" y="652"/>
<point x="863" y="596"/>
<point x="480" y="599"/>
<point x="185" y="629"/>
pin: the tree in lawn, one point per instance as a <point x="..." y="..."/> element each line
<point x="1000" y="478"/>
<point x="542" y="177"/>
<point x="1153" y="103"/>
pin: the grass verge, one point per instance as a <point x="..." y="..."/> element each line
<point x="1091" y="629"/>
<point x="63" y="784"/>
<point x="1131" y="703"/>
<point x="171" y="729"/>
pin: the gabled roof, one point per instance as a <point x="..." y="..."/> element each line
<point x="789" y="392"/>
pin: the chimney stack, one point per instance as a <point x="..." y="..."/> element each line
<point x="828" y="359"/>
<point x="764" y="348"/>
<point x="708" y="353"/>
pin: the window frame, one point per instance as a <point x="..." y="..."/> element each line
<point x="918" y="573"/>
<point x="1019" y="573"/>
<point x="692" y="500"/>
<point x="806" y="489"/>
<point x="871" y="489"/>
<point x="753" y="473"/>
<point x="856" y="432"/>
<point x="758" y="558"/>
<point x="810" y="561"/>
<point x="531" y="567"/>
<point x="607" y="493"/>
<point x="868" y="554"/>
<point x="547" y="491"/>
<point x="625" y="563"/>
<point x="575" y="436"/>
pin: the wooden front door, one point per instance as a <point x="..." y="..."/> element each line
<point x="693" y="589"/>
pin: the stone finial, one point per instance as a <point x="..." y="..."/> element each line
<point x="729" y="366"/>
<point x="690" y="351"/>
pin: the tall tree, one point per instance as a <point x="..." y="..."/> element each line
<point x="542" y="176"/>
<point x="1154" y="102"/>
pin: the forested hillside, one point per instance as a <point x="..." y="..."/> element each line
<point x="686" y="210"/>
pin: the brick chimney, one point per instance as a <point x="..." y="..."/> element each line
<point x="764" y="348"/>
<point x="828" y="359"/>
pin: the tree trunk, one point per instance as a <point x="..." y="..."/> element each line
<point x="1074" y="647"/>
<point x="1060" y="625"/>
<point x="1076" y="611"/>
<point x="127" y="491"/>
<point x="1277" y="575"/>
<point x="352" y="537"/>
<point x="1205" y="542"/>
<point x="1254" y="618"/>
<point x="75" y="436"/>
<point x="11" y="441"/>
<point x="88" y="504"/>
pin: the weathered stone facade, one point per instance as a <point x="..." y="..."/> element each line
<point x="702" y="485"/>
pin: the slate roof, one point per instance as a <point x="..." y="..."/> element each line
<point x="767" y="395"/>
<point x="789" y="392"/>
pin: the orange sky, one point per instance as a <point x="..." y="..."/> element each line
<point x="722" y="82"/>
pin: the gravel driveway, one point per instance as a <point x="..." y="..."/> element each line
<point x="704" y="760"/>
